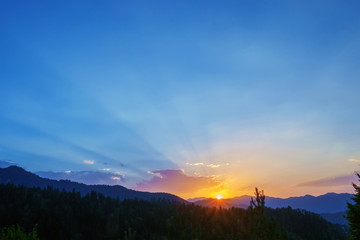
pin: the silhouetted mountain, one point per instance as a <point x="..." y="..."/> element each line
<point x="238" y="202"/>
<point x="327" y="203"/>
<point x="338" y="218"/>
<point x="18" y="176"/>
<point x="192" y="200"/>
<point x="62" y="215"/>
<point x="331" y="206"/>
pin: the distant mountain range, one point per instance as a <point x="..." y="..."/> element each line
<point x="331" y="206"/>
<point x="337" y="218"/>
<point x="18" y="176"/>
<point x="327" y="203"/>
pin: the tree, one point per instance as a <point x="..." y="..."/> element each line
<point x="17" y="233"/>
<point x="259" y="203"/>
<point x="262" y="227"/>
<point x="353" y="212"/>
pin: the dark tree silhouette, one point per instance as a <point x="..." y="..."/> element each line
<point x="258" y="204"/>
<point x="17" y="233"/>
<point x="68" y="215"/>
<point x="353" y="213"/>
<point x="262" y="227"/>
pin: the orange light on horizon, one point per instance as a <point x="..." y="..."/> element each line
<point x="218" y="197"/>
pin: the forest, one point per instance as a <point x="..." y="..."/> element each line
<point x="51" y="214"/>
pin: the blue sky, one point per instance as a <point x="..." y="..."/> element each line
<point x="236" y="94"/>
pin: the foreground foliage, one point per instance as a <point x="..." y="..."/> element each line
<point x="68" y="215"/>
<point x="17" y="233"/>
<point x="353" y="213"/>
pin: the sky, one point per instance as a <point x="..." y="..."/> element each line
<point x="195" y="98"/>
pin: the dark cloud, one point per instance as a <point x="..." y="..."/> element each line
<point x="87" y="177"/>
<point x="176" y="181"/>
<point x="331" y="181"/>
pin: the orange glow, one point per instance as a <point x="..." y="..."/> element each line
<point x="219" y="197"/>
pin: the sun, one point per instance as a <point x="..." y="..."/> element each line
<point x="218" y="197"/>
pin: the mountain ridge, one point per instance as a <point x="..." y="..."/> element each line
<point x="19" y="176"/>
<point x="329" y="203"/>
<point x="331" y="206"/>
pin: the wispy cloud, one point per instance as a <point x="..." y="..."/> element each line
<point x="330" y="181"/>
<point x="6" y="163"/>
<point x="157" y="174"/>
<point x="213" y="165"/>
<point x="354" y="160"/>
<point x="202" y="164"/>
<point x="176" y="181"/>
<point x="195" y="164"/>
<point x="89" y="162"/>
<point x="87" y="177"/>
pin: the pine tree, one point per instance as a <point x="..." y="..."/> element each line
<point x="353" y="213"/>
<point x="17" y="233"/>
<point x="262" y="227"/>
<point x="258" y="204"/>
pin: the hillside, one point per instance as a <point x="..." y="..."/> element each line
<point x="62" y="215"/>
<point x="327" y="203"/>
<point x="331" y="206"/>
<point x="337" y="218"/>
<point x="18" y="176"/>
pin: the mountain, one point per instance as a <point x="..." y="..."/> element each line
<point x="238" y="202"/>
<point x="192" y="200"/>
<point x="337" y="218"/>
<point x="331" y="206"/>
<point x="60" y="215"/>
<point x="328" y="203"/>
<point x="18" y="176"/>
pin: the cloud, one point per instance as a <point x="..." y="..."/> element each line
<point x="214" y="165"/>
<point x="177" y="182"/>
<point x="87" y="177"/>
<point x="354" y="160"/>
<point x="331" y="181"/>
<point x="6" y="163"/>
<point x="202" y="164"/>
<point x="88" y="162"/>
<point x="195" y="164"/>
<point x="155" y="174"/>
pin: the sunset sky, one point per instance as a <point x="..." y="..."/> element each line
<point x="195" y="98"/>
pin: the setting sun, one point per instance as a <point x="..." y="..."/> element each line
<point x="219" y="197"/>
